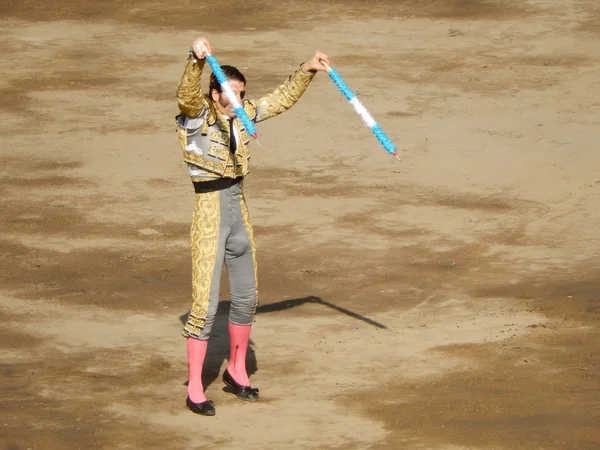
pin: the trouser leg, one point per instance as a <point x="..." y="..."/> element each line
<point x="207" y="262"/>
<point x="209" y="231"/>
<point x="240" y="259"/>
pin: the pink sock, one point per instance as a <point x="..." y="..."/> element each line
<point x="196" y="352"/>
<point x="239" y="336"/>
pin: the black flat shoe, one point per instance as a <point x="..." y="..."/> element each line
<point x="205" y="408"/>
<point x="243" y="392"/>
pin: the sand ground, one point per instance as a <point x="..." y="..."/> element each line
<point x="450" y="301"/>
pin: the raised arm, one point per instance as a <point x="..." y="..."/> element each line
<point x="286" y="95"/>
<point x="189" y="92"/>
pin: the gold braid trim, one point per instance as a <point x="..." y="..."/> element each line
<point x="204" y="235"/>
<point x="220" y="168"/>
<point x="250" y="108"/>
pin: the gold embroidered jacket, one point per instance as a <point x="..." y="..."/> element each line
<point x="204" y="133"/>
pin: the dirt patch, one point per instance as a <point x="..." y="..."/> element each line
<point x="448" y="301"/>
<point x="514" y="389"/>
<point x="264" y="14"/>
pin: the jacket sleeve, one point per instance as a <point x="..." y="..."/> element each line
<point x="189" y="92"/>
<point x="281" y="99"/>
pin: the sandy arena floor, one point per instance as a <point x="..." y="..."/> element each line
<point x="451" y="301"/>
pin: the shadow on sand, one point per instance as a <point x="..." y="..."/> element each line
<point x="218" y="346"/>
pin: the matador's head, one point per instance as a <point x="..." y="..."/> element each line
<point x="236" y="80"/>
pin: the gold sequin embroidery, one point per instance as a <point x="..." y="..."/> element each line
<point x="204" y="236"/>
<point x="284" y="97"/>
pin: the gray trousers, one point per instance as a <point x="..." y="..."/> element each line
<point x="221" y="234"/>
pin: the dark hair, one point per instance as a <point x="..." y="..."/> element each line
<point x="231" y="73"/>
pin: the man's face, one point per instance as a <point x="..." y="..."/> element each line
<point x="223" y="104"/>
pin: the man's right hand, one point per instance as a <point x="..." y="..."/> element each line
<point x="201" y="47"/>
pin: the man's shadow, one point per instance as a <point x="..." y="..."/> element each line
<point x="218" y="344"/>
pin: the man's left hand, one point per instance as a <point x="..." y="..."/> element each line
<point x="317" y="62"/>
